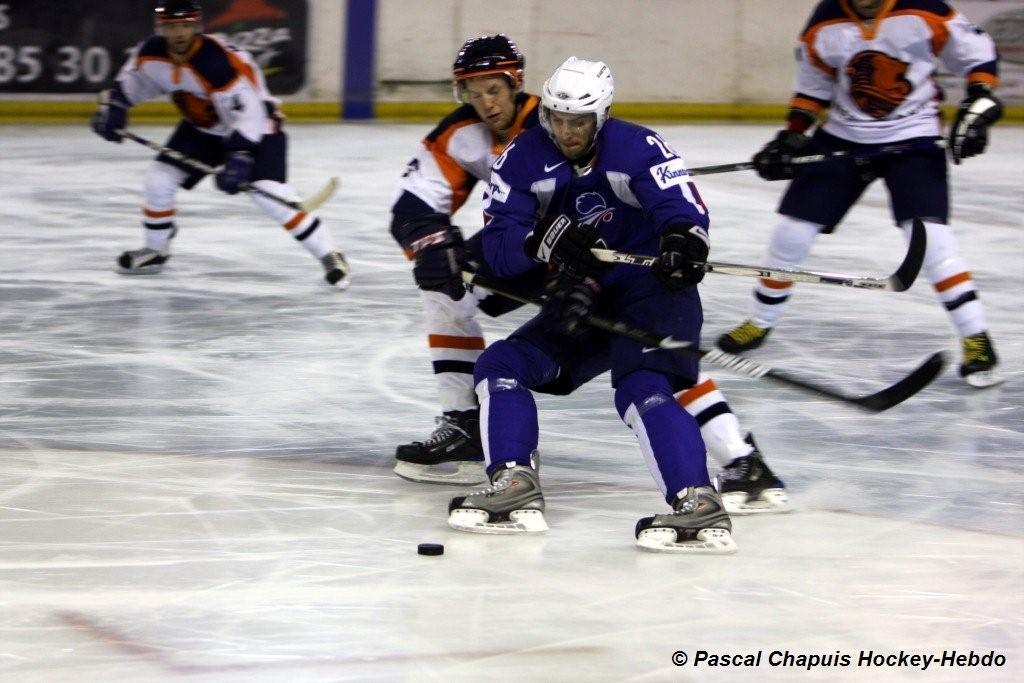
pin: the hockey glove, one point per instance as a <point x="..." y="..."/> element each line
<point x="111" y="115"/>
<point x="236" y="174"/>
<point x="684" y="251"/>
<point x="774" y="161"/>
<point x="440" y="258"/>
<point x="968" y="135"/>
<point x="566" y="310"/>
<point x="565" y="244"/>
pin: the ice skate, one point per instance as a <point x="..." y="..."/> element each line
<point x="143" y="261"/>
<point x="699" y="525"/>
<point x="748" y="486"/>
<point x="979" y="366"/>
<point x="336" y="270"/>
<point x="451" y="455"/>
<point x="512" y="504"/>
<point x="744" y="337"/>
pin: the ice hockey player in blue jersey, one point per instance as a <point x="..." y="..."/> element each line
<point x="487" y="77"/>
<point x="581" y="180"/>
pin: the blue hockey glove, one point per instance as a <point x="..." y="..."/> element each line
<point x="236" y="173"/>
<point x="773" y="162"/>
<point x="566" y="244"/>
<point x="684" y="251"/>
<point x="440" y="255"/>
<point x="968" y="136"/>
<point x="111" y="115"/>
<point x="566" y="310"/>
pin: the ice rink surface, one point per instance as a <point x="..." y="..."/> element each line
<point x="195" y="467"/>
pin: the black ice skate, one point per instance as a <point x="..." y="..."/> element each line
<point x="143" y="261"/>
<point x="512" y="504"/>
<point x="451" y="455"/>
<point x="744" y="337"/>
<point x="979" y="366"/>
<point x="748" y="486"/>
<point x="698" y="525"/>
<point x="336" y="270"/>
<point x="146" y="261"/>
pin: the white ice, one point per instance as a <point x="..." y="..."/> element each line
<point x="195" y="468"/>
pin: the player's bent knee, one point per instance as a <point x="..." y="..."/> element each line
<point x="161" y="184"/>
<point x="644" y="389"/>
<point x="941" y="245"/>
<point x="517" y="360"/>
<point x="792" y="239"/>
<point x="503" y="358"/>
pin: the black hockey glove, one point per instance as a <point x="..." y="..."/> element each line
<point x="567" y="308"/>
<point x="565" y="244"/>
<point x="439" y="252"/>
<point x="684" y="251"/>
<point x="773" y="162"/>
<point x="968" y="135"/>
<point x="111" y="115"/>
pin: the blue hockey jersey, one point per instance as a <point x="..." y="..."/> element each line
<point x="633" y="188"/>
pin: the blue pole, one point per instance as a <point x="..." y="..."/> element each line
<point x="360" y="36"/>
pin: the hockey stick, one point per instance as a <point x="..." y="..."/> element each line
<point x="895" y="148"/>
<point x="900" y="281"/>
<point x="875" y="403"/>
<point x="311" y="203"/>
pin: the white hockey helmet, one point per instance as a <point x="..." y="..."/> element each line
<point x="578" y="86"/>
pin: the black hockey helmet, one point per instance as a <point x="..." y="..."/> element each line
<point x="486" y="55"/>
<point x="174" y="11"/>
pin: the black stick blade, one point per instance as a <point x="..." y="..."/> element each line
<point x="906" y="387"/>
<point x="905" y="275"/>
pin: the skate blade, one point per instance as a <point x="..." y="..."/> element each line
<point x="770" y="501"/>
<point x="985" y="378"/>
<point x="708" y="542"/>
<point x="475" y="521"/>
<point x="141" y="270"/>
<point x="470" y="473"/>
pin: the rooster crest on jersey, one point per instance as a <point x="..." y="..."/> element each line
<point x="593" y="209"/>
<point x="578" y="86"/>
<point x="878" y="82"/>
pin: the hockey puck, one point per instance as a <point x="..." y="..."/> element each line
<point x="430" y="549"/>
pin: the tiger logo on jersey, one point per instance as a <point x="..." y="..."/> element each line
<point x="878" y="82"/>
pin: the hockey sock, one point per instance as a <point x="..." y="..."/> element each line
<point x="719" y="427"/>
<point x="508" y="414"/>
<point x="159" y="189"/>
<point x="456" y="341"/>
<point x="668" y="436"/>
<point x="790" y="243"/>
<point x="306" y="228"/>
<point x="159" y="227"/>
<point x="948" y="273"/>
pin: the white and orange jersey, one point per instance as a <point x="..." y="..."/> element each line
<point x="458" y="153"/>
<point x="217" y="87"/>
<point x="876" y="77"/>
